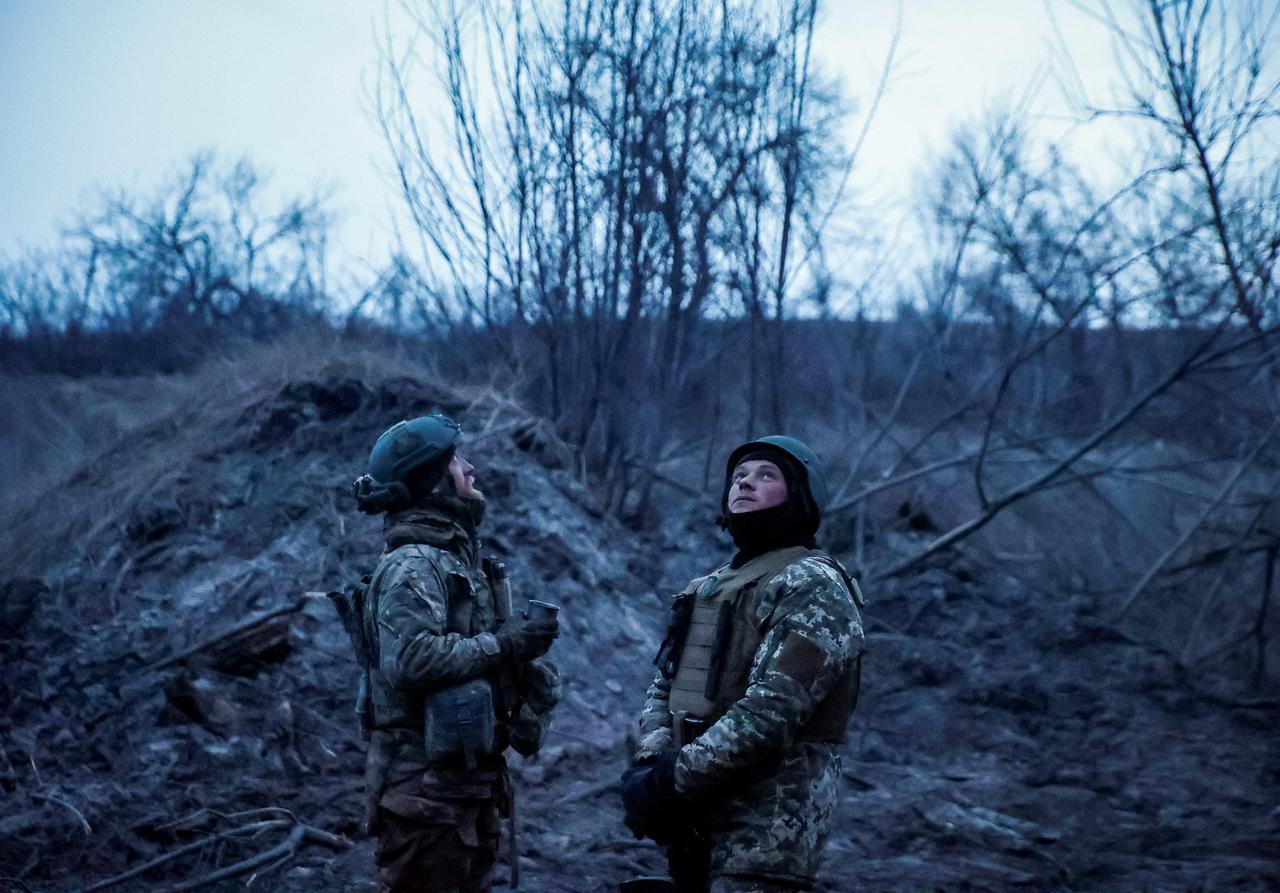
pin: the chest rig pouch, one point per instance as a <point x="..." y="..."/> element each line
<point x="461" y="722"/>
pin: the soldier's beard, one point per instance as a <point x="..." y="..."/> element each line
<point x="465" y="511"/>
<point x="473" y="506"/>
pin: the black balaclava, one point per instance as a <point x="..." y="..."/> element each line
<point x="791" y="523"/>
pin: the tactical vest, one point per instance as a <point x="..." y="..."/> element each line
<point x="469" y="611"/>
<point x="714" y="637"/>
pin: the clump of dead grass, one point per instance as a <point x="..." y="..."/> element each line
<point x="83" y="453"/>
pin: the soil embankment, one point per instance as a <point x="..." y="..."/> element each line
<point x="1008" y="738"/>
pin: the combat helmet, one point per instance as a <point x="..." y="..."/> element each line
<point x="806" y="462"/>
<point x="406" y="462"/>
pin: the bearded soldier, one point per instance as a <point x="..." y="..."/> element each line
<point x="738" y="767"/>
<point x="450" y="679"/>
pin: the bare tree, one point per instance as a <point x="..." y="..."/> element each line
<point x="200" y="249"/>
<point x="1050" y="273"/>
<point x="209" y="251"/>
<point x="606" y="176"/>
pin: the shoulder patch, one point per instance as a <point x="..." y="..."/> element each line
<point x="800" y="659"/>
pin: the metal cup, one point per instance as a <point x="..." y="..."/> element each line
<point x="541" y="610"/>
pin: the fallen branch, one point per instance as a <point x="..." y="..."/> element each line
<point x="53" y="798"/>
<point x="244" y="628"/>
<point x="195" y="820"/>
<point x="298" y="834"/>
<point x="181" y="851"/>
<point x="1228" y="486"/>
<point x="273" y="857"/>
<point x="1195" y="359"/>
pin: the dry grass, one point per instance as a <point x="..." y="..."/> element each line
<point x="129" y="438"/>
<point x="124" y="441"/>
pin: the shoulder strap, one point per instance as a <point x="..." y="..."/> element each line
<point x="764" y="568"/>
<point x="698" y="582"/>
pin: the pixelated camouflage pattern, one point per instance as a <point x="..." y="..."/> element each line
<point x="808" y="599"/>
<point x="654" y="741"/>
<point x="769" y="796"/>
<point x="775" y="827"/>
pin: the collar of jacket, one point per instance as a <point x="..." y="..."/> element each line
<point x="446" y="522"/>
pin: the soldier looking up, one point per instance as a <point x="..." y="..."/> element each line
<point x="450" y="676"/>
<point x="738" y="768"/>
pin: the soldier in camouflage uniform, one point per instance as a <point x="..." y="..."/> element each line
<point x="738" y="767"/>
<point x="449" y="683"/>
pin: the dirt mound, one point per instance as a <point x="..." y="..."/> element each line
<point x="175" y="688"/>
<point x="167" y="662"/>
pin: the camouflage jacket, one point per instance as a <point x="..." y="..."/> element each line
<point x="431" y="619"/>
<point x="770" y="792"/>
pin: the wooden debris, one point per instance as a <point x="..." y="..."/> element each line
<point x="272" y="857"/>
<point x="264" y="638"/>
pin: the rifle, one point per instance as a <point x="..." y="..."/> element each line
<point x="496" y="572"/>
<point x="350" y="608"/>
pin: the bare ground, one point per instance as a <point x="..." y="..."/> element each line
<point x="1008" y="737"/>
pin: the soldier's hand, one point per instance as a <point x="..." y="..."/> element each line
<point x="523" y="640"/>
<point x="650" y="798"/>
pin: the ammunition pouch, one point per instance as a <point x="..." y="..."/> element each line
<point x="461" y="722"/>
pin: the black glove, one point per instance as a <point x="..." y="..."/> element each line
<point x="650" y="800"/>
<point x="523" y="640"/>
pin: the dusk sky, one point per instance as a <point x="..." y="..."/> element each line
<point x="118" y="93"/>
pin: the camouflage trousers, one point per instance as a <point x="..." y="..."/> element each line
<point x="690" y="864"/>
<point x="768" y="833"/>
<point x="431" y="840"/>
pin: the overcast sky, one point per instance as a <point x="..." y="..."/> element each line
<point x="117" y="93"/>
